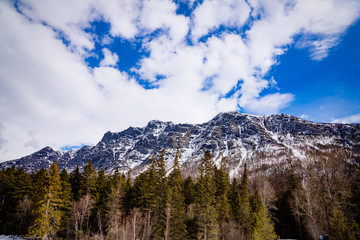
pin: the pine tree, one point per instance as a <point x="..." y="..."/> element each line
<point x="189" y="191"/>
<point x="101" y="197"/>
<point x="144" y="189"/>
<point x="88" y="180"/>
<point x="75" y="180"/>
<point x="222" y="198"/>
<point x="234" y="199"/>
<point x="206" y="214"/>
<point x="261" y="225"/>
<point x="341" y="227"/>
<point x="116" y="206"/>
<point x="161" y="207"/>
<point x="8" y="201"/>
<point x="128" y="202"/>
<point x="245" y="203"/>
<point x="21" y="194"/>
<point x="176" y="203"/>
<point x="23" y="183"/>
<point x="189" y="198"/>
<point x="66" y="197"/>
<point x="48" y="212"/>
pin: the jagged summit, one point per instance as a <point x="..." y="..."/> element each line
<point x="259" y="140"/>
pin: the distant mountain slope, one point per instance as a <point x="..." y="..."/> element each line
<point x="259" y="140"/>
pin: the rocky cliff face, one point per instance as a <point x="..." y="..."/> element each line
<point x="258" y="140"/>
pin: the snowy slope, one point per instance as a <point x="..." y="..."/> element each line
<point x="258" y="140"/>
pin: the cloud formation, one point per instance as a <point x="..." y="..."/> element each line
<point x="215" y="59"/>
<point x="348" y="119"/>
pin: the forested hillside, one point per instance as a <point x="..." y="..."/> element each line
<point x="296" y="201"/>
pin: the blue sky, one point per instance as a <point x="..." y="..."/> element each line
<point x="70" y="71"/>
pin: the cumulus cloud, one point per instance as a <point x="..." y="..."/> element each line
<point x="50" y="96"/>
<point x="348" y="119"/>
<point x="211" y="14"/>
<point x="269" y="103"/>
<point x="161" y="14"/>
<point x="110" y="59"/>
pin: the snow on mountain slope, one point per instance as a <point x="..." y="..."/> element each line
<point x="258" y="140"/>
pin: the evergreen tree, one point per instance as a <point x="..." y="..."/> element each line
<point x="234" y="199"/>
<point x="40" y="185"/>
<point x="176" y="203"/>
<point x="206" y="214"/>
<point x="66" y="197"/>
<point x="245" y="203"/>
<point x="222" y="198"/>
<point x="88" y="180"/>
<point x="189" y="198"/>
<point x="23" y="184"/>
<point x="128" y="202"/>
<point x="289" y="225"/>
<point x="8" y="201"/>
<point x="116" y="206"/>
<point x="161" y="207"/>
<point x="101" y="197"/>
<point x="21" y="194"/>
<point x="341" y="227"/>
<point x="261" y="225"/>
<point x="48" y="213"/>
<point x="75" y="180"/>
<point x="189" y="191"/>
<point x="144" y="189"/>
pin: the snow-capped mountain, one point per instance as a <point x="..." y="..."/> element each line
<point x="258" y="140"/>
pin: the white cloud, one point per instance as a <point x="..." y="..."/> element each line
<point x="348" y="119"/>
<point x="49" y="96"/>
<point x="213" y="13"/>
<point x="304" y="116"/>
<point x="161" y="14"/>
<point x="122" y="15"/>
<point x="59" y="15"/>
<point x="269" y="103"/>
<point x="110" y="59"/>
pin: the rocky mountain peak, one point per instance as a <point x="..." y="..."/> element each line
<point x="239" y="137"/>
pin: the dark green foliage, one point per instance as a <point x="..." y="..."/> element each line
<point x="115" y="205"/>
<point x="206" y="214"/>
<point x="75" y="179"/>
<point x="245" y="203"/>
<point x="189" y="191"/>
<point x="161" y="213"/>
<point x="101" y="195"/>
<point x="261" y="225"/>
<point x="288" y="224"/>
<point x="144" y="189"/>
<point x="234" y="200"/>
<point x="176" y="206"/>
<point x="48" y="208"/>
<point x="15" y="201"/>
<point x="66" y="197"/>
<point x="128" y="198"/>
<point x="342" y="228"/>
<point x="222" y="198"/>
<point x="161" y="205"/>
<point x="222" y="192"/>
<point x="88" y="180"/>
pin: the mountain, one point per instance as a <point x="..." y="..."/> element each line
<point x="261" y="141"/>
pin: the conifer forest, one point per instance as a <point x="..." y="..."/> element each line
<point x="297" y="202"/>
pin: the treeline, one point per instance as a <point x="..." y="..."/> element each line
<point x="322" y="197"/>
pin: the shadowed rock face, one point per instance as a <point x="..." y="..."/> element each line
<point x="238" y="137"/>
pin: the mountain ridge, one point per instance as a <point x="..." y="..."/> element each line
<point x="259" y="140"/>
